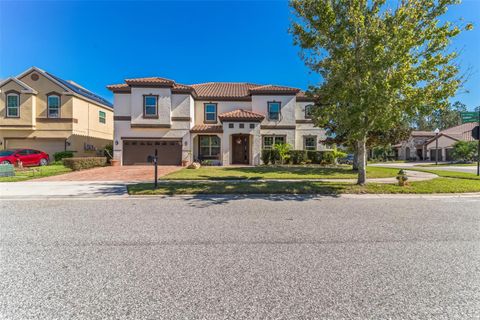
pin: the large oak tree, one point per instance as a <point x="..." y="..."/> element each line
<point x="379" y="64"/>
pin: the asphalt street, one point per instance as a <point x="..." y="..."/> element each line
<point x="275" y="257"/>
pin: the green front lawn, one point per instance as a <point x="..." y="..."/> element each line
<point x="277" y="172"/>
<point x="438" y="185"/>
<point x="36" y="172"/>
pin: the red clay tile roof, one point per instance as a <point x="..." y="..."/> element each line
<point x="273" y="90"/>
<point x="213" y="90"/>
<point x="302" y="96"/>
<point x="206" y="128"/>
<point x="223" y="90"/>
<point x="122" y="87"/>
<point x="241" y="115"/>
<point x="149" y="81"/>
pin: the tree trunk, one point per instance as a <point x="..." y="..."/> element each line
<point x="362" y="161"/>
<point x="355" y="160"/>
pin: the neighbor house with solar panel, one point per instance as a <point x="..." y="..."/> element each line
<point x="41" y="111"/>
<point x="223" y="123"/>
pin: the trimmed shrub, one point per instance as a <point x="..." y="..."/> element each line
<point x="59" y="156"/>
<point x="298" y="156"/>
<point x="315" y="157"/>
<point x="274" y="156"/>
<point x="84" y="162"/>
<point x="328" y="158"/>
<point x="266" y="156"/>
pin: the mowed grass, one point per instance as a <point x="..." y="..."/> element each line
<point x="277" y="172"/>
<point x="36" y="172"/>
<point x="437" y="185"/>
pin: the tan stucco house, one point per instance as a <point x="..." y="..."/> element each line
<point x="225" y="122"/>
<point x="422" y="145"/>
<point x="41" y="111"/>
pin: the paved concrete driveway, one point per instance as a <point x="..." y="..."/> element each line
<point x="231" y="257"/>
<point x="120" y="173"/>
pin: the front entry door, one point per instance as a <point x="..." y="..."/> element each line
<point x="240" y="149"/>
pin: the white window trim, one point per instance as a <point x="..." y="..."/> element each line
<point x="17" y="107"/>
<point x="273" y="142"/>
<point x="100" y="117"/>
<point x="48" y="105"/>
<point x="314" y="144"/>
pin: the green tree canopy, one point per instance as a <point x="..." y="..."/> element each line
<point x="380" y="65"/>
<point x="441" y="118"/>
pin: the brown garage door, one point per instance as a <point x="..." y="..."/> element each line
<point x="142" y="151"/>
<point x="49" y="146"/>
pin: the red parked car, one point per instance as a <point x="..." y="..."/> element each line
<point x="28" y="157"/>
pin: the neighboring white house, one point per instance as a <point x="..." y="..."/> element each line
<point x="222" y="121"/>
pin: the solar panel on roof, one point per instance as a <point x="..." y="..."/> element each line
<point x="82" y="91"/>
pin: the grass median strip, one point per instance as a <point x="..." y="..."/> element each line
<point x="438" y="185"/>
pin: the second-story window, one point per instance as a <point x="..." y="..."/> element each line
<point x="102" y="117"/>
<point x="150" y="106"/>
<point x="13" y="105"/>
<point x="308" y="111"/>
<point x="53" y="106"/>
<point x="210" y="112"/>
<point x="274" y="111"/>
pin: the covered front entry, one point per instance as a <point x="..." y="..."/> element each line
<point x="143" y="151"/>
<point x="240" y="149"/>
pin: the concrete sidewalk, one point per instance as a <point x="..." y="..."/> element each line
<point x="45" y="189"/>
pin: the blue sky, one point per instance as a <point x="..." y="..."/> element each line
<point x="100" y="43"/>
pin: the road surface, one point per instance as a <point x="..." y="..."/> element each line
<point x="273" y="257"/>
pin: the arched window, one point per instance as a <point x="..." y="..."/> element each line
<point x="13" y="105"/>
<point x="53" y="105"/>
<point x="308" y="111"/>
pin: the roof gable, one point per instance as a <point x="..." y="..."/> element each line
<point x="26" y="87"/>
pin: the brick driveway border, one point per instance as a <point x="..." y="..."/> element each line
<point x="120" y="173"/>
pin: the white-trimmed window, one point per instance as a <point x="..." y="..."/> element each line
<point x="210" y="112"/>
<point x="102" y="117"/>
<point x="53" y="106"/>
<point x="308" y="111"/>
<point x="13" y="105"/>
<point x="269" y="141"/>
<point x="274" y="110"/>
<point x="209" y="146"/>
<point x="310" y="143"/>
<point x="150" y="106"/>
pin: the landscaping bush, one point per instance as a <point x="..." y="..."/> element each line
<point x="465" y="151"/>
<point x="84" y="162"/>
<point x="108" y="151"/>
<point x="315" y="157"/>
<point x="283" y="150"/>
<point x="266" y="156"/>
<point x="274" y="156"/>
<point x="328" y="158"/>
<point x="298" y="156"/>
<point x="59" y="156"/>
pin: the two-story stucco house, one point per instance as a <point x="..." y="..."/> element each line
<point x="221" y="121"/>
<point x="39" y="110"/>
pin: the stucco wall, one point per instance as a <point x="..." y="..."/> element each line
<point x="255" y="141"/>
<point x="87" y="115"/>
<point x="164" y="105"/>
<point x="288" y="105"/>
<point x="27" y="106"/>
<point x="222" y="106"/>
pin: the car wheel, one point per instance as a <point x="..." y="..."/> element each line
<point x="43" y="162"/>
<point x="6" y="162"/>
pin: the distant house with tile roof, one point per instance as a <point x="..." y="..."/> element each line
<point x="39" y="110"/>
<point x="226" y="122"/>
<point x="422" y="145"/>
